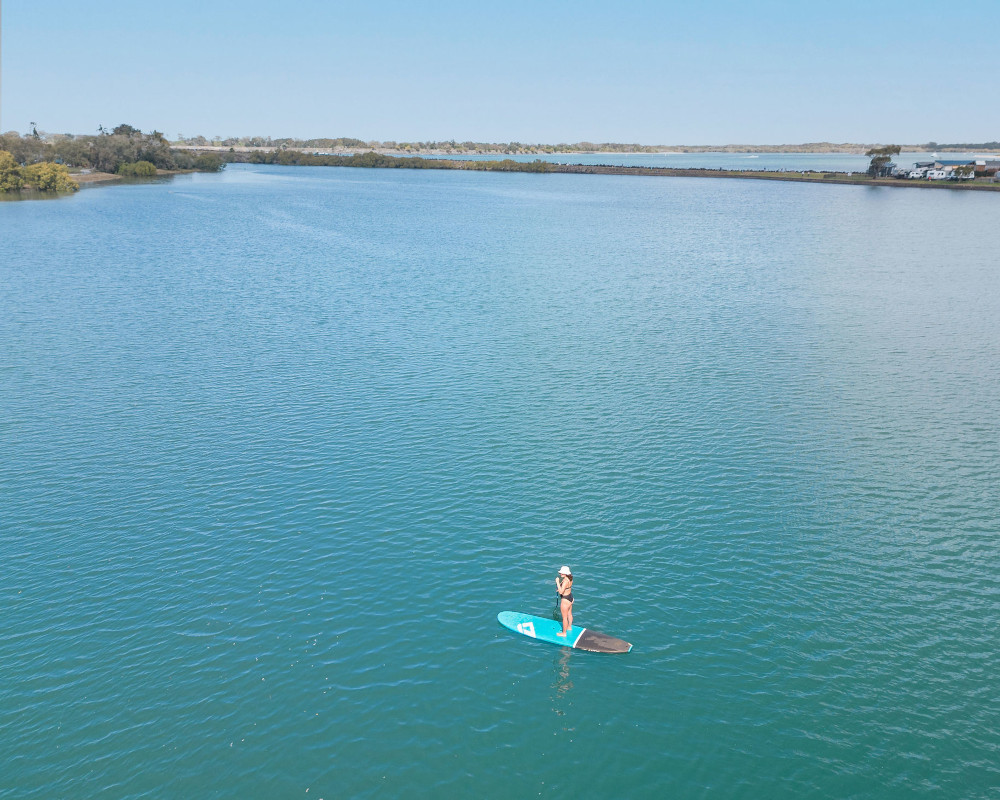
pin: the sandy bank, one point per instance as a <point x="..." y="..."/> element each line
<point x="90" y="178"/>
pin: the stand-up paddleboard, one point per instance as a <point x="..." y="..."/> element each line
<point x="545" y="630"/>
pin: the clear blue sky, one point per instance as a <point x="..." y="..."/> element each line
<point x="710" y="72"/>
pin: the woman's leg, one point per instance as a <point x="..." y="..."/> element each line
<point x="567" y="616"/>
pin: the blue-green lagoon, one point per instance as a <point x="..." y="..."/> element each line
<point x="277" y="445"/>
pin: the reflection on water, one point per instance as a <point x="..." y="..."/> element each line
<point x="563" y="683"/>
<point x="32" y="195"/>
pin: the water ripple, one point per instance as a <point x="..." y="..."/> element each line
<point x="270" y="469"/>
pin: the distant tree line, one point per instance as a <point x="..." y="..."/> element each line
<point x="108" y="151"/>
<point x="963" y="147"/>
<point x="267" y="141"/>
<point x="379" y="160"/>
<point x="454" y="147"/>
<point x="451" y="146"/>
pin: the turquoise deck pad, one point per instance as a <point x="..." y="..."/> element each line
<point x="547" y="630"/>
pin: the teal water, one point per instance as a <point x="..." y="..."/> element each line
<point x="276" y="446"/>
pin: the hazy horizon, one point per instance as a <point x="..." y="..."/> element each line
<point x="389" y="142"/>
<point x="747" y="74"/>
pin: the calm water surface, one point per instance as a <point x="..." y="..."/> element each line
<point x="277" y="445"/>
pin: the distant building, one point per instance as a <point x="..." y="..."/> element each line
<point x="943" y="164"/>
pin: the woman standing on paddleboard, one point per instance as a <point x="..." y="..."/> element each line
<point x="564" y="588"/>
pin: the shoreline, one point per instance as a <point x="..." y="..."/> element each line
<point x="86" y="179"/>
<point x="92" y="179"/>
<point x="372" y="160"/>
<point x="839" y="178"/>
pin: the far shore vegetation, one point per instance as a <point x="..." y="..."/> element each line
<point x="452" y="147"/>
<point x="370" y="159"/>
<point x="46" y="163"/>
<point x="58" y="163"/>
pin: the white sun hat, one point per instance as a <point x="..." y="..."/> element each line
<point x="564" y="571"/>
